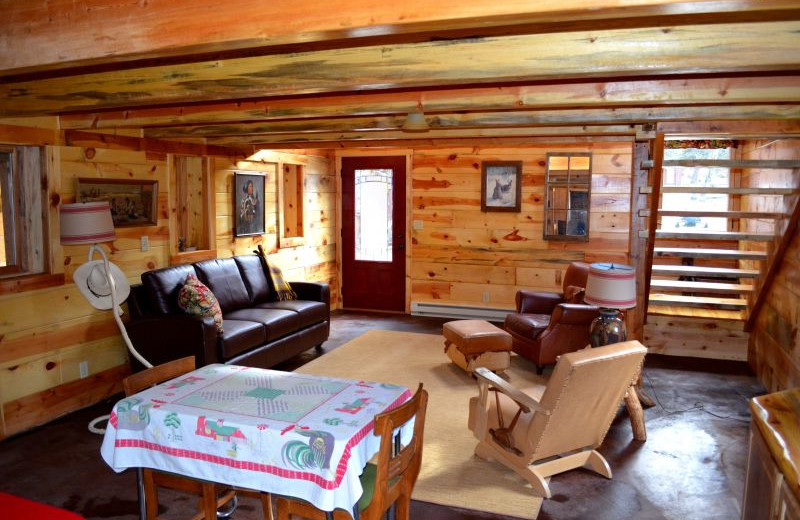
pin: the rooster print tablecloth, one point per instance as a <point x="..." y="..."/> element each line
<point x="292" y="434"/>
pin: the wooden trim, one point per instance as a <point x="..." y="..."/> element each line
<point x="190" y="257"/>
<point x="32" y="282"/>
<point x="657" y="149"/>
<point x="638" y="246"/>
<point x="41" y="407"/>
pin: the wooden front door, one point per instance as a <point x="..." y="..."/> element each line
<point x="374" y="233"/>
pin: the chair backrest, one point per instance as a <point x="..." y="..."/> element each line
<point x="398" y="466"/>
<point x="576" y="275"/>
<point x="158" y="374"/>
<point x="582" y="396"/>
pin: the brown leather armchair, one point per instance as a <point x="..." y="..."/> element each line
<point x="549" y="324"/>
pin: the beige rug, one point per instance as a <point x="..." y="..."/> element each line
<point x="451" y="474"/>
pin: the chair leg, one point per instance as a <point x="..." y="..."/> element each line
<point x="150" y="494"/>
<point x="598" y="464"/>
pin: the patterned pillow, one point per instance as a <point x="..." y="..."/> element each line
<point x="195" y="298"/>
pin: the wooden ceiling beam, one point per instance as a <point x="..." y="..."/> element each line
<point x="731" y="129"/>
<point x="306" y="129"/>
<point x="774" y="89"/>
<point x="723" y="48"/>
<point x="53" y="34"/>
<point x="311" y="139"/>
<point x="561" y="141"/>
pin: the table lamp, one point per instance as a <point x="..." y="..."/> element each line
<point x="611" y="287"/>
<point x="101" y="282"/>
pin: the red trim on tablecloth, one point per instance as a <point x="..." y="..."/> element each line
<point x="266" y="468"/>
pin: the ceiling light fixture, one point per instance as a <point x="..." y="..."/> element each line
<point x="415" y="122"/>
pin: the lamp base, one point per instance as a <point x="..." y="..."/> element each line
<point x="608" y="328"/>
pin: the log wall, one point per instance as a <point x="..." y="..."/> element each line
<point x="774" y="349"/>
<point x="46" y="334"/>
<point x="462" y="255"/>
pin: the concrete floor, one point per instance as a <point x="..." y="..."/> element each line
<point x="691" y="467"/>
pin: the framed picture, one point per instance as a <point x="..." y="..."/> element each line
<point x="133" y="202"/>
<point x="248" y="203"/>
<point x="501" y="185"/>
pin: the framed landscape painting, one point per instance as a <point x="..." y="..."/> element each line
<point x="501" y="185"/>
<point x="133" y="202"/>
<point x="248" y="201"/>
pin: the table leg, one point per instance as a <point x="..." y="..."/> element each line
<point x="140" y="489"/>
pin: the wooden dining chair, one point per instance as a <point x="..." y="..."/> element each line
<point x="153" y="479"/>
<point x="387" y="481"/>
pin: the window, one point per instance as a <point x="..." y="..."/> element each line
<point x="567" y="196"/>
<point x="695" y="177"/>
<point x="373" y="215"/>
<point x="23" y="237"/>
<point x="290" y="204"/>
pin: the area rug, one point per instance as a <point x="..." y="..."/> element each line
<point x="451" y="474"/>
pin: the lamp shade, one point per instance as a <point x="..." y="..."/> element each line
<point x="86" y="223"/>
<point x="612" y="286"/>
<point x="415" y="122"/>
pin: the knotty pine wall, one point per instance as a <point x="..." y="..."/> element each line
<point x="462" y="255"/>
<point x="45" y="334"/>
<point x="774" y="349"/>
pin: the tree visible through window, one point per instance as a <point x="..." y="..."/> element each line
<point x="696" y="177"/>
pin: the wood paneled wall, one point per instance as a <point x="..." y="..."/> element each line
<point x="774" y="350"/>
<point x="45" y="334"/>
<point x="462" y="255"/>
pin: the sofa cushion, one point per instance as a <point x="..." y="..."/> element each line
<point x="276" y="322"/>
<point x="195" y="298"/>
<point x="254" y="277"/>
<point x="163" y="286"/>
<point x="309" y="312"/>
<point x="222" y="276"/>
<point x="240" y="336"/>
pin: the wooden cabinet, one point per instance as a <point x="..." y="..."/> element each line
<point x="772" y="459"/>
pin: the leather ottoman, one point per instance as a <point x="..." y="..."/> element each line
<point x="477" y="343"/>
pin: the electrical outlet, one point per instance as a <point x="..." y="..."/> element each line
<point x="84" y="369"/>
<point x="418" y="224"/>
<point x="145" y="241"/>
<point x="485" y="296"/>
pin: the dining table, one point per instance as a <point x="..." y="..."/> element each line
<point x="297" y="435"/>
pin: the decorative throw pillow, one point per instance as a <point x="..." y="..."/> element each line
<point x="574" y="294"/>
<point x="282" y="287"/>
<point x="196" y="298"/>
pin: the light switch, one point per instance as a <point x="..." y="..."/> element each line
<point x="418" y="224"/>
<point x="145" y="241"/>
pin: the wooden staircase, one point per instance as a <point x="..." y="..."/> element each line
<point x="701" y="285"/>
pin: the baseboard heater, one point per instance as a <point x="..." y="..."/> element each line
<point x="464" y="312"/>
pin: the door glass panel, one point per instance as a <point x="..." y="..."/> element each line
<point x="373" y="215"/>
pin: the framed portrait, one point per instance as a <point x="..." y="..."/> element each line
<point x="501" y="185"/>
<point x="248" y="203"/>
<point x="133" y="202"/>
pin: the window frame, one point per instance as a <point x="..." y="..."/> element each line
<point x="584" y="187"/>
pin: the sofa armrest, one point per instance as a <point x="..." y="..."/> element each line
<point x="537" y="302"/>
<point x="312" y="291"/>
<point x="573" y="314"/>
<point x="167" y="337"/>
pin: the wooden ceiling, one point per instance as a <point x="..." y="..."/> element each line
<point x="307" y="74"/>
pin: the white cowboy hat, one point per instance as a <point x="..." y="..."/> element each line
<point x="92" y="281"/>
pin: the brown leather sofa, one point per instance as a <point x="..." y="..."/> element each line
<point x="547" y="325"/>
<point x="257" y="330"/>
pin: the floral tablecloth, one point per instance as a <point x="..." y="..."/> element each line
<point x="291" y="434"/>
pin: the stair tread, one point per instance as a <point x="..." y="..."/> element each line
<point x="696" y="312"/>
<point x="714" y="235"/>
<point x="723" y="214"/>
<point x="696" y="252"/>
<point x="675" y="299"/>
<point x="701" y="286"/>
<point x="692" y="270"/>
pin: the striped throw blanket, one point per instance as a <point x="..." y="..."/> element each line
<point x="282" y="287"/>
